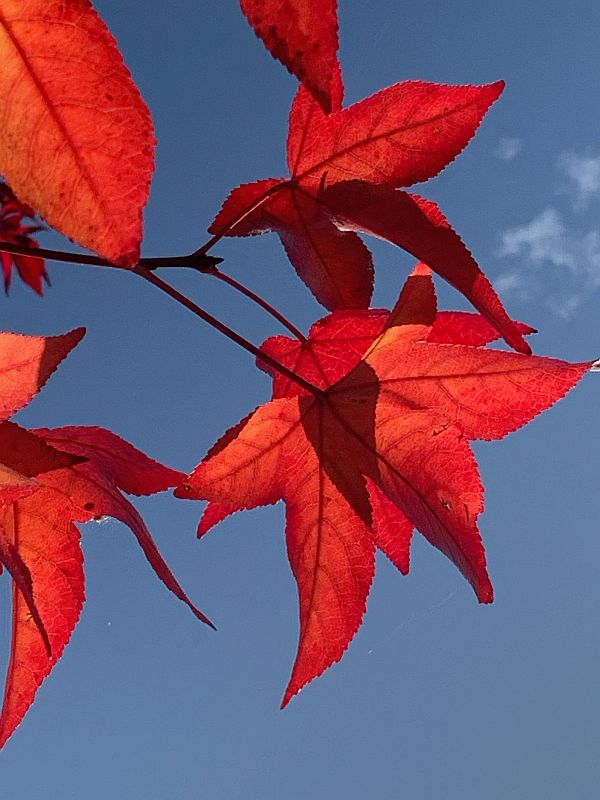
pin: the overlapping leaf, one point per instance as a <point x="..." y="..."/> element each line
<point x="346" y="171"/>
<point x="50" y="479"/>
<point x="77" y="141"/>
<point x="379" y="448"/>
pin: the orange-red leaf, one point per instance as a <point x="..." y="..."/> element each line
<point x="419" y="227"/>
<point x="31" y="269"/>
<point x="378" y="449"/>
<point x="335" y="265"/>
<point x="404" y="134"/>
<point x="41" y="532"/>
<point x="26" y="363"/>
<point x="303" y="35"/>
<point x="77" y="141"/>
<point x="350" y="162"/>
<point x="77" y="474"/>
<point x="108" y="465"/>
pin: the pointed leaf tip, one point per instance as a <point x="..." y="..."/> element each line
<point x="303" y="36"/>
<point x="26" y="363"/>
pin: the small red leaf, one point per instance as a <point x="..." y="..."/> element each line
<point x="31" y="269"/>
<point x="48" y="480"/>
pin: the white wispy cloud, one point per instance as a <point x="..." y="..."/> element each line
<point x="544" y="239"/>
<point x="582" y="171"/>
<point x="555" y="260"/>
<point x="508" y="148"/>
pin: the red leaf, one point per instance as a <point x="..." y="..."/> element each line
<point x="26" y="363"/>
<point x="303" y="35"/>
<point x="335" y="265"/>
<point x="78" y="473"/>
<point x="48" y="543"/>
<point x="419" y="227"/>
<point x="379" y="448"/>
<point x="31" y="269"/>
<point x="402" y="135"/>
<point x="94" y="487"/>
<point x="80" y="148"/>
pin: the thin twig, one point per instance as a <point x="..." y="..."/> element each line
<point x="259" y="301"/>
<point x="201" y="262"/>
<point x="208" y="245"/>
<point x="149" y="276"/>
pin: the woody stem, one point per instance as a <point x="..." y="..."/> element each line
<point x="201" y="262"/>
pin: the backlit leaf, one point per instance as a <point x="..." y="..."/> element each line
<point x="77" y="141"/>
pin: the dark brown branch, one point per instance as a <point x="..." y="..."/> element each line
<point x="200" y="262"/>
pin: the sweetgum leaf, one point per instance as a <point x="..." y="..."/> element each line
<point x="77" y="142"/>
<point x="79" y="474"/>
<point x="349" y="163"/>
<point x="380" y="447"/>
<point x="401" y="135"/>
<point x="303" y="35"/>
<point x="50" y="479"/>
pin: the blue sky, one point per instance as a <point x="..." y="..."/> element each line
<point x="437" y="696"/>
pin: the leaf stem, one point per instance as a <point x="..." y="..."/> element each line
<point x="200" y="262"/>
<point x="150" y="277"/>
<point x="208" y="245"/>
<point x="259" y="301"/>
